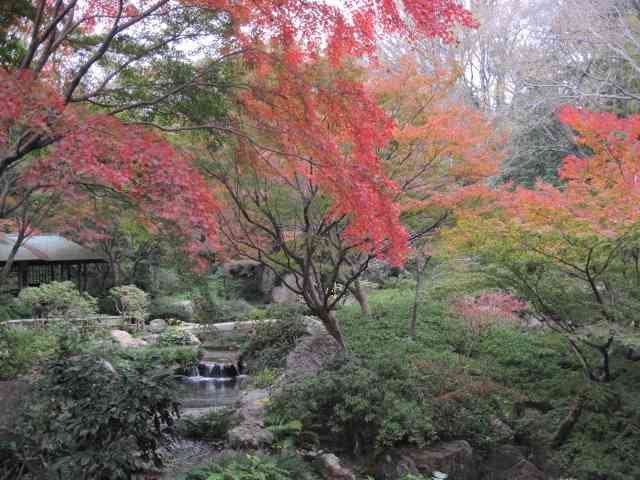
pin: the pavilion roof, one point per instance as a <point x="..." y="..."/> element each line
<point x="47" y="248"/>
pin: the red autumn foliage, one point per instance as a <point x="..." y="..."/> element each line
<point x="89" y="148"/>
<point x="486" y="309"/>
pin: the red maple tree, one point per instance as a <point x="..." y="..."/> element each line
<point x="51" y="141"/>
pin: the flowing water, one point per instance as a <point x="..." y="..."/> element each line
<point x="211" y="384"/>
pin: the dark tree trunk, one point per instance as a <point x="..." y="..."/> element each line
<point x="6" y="269"/>
<point x="421" y="264"/>
<point x="330" y="322"/>
<point x="598" y="374"/>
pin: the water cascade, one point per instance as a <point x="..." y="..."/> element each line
<point x="211" y="384"/>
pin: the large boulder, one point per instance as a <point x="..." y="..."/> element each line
<point x="281" y="294"/>
<point x="124" y="339"/>
<point x="249" y="436"/>
<point x="379" y="271"/>
<point x="310" y="354"/>
<point x="250" y="433"/>
<point x="509" y="462"/>
<point x="157" y="325"/>
<point x="453" y="458"/>
<point x="255" y="281"/>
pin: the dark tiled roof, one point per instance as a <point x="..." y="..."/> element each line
<point x="46" y="248"/>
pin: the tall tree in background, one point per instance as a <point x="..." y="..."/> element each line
<point x="572" y="252"/>
<point x="440" y="147"/>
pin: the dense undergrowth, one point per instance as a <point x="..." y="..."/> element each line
<point x="454" y="383"/>
<point x="502" y="384"/>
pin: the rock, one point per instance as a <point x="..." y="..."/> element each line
<point x="151" y="338"/>
<point x="501" y="460"/>
<point x="524" y="470"/>
<point x="332" y="469"/>
<point x="310" y="354"/>
<point x="157" y="325"/>
<point x="249" y="436"/>
<point x="250" y="433"/>
<point x="193" y="340"/>
<point x="186" y="307"/>
<point x="107" y="365"/>
<point x="503" y="432"/>
<point x="453" y="458"/>
<point x="281" y="294"/>
<point x="256" y="281"/>
<point x="188" y="330"/>
<point x="124" y="339"/>
<point x="378" y="271"/>
<point x="508" y="462"/>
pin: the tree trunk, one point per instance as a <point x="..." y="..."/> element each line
<point x="6" y="269"/>
<point x="421" y="264"/>
<point x="361" y="296"/>
<point x="600" y="374"/>
<point x="330" y="322"/>
<point x="586" y="367"/>
<point x="566" y="427"/>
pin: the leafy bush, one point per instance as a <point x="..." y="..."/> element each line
<point x="131" y="302"/>
<point x="88" y="421"/>
<point x="168" y="307"/>
<point x="12" y="309"/>
<point x="22" y="348"/>
<point x="271" y="342"/>
<point x="386" y="400"/>
<point x="175" y="336"/>
<point x="358" y="406"/>
<point x="152" y="356"/>
<point x="211" y="309"/>
<point x="256" y="467"/>
<point x="61" y="299"/>
<point x="212" y="426"/>
<point x="265" y="378"/>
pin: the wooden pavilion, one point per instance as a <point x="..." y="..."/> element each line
<point x="46" y="258"/>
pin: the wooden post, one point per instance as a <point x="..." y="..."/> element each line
<point x="20" y="277"/>
<point x="84" y="277"/>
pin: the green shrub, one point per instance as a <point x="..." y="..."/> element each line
<point x="153" y="356"/>
<point x="357" y="406"/>
<point x="386" y="400"/>
<point x="61" y="299"/>
<point x="169" y="307"/>
<point x="131" y="302"/>
<point x="12" y="309"/>
<point x="211" y="309"/>
<point x="175" y="336"/>
<point x="256" y="467"/>
<point x="23" y="348"/>
<point x="265" y="378"/>
<point x="212" y="426"/>
<point x="88" y="421"/>
<point x="271" y="342"/>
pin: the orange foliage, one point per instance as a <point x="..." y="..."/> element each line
<point x="440" y="145"/>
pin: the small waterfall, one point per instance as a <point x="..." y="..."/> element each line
<point x="212" y="371"/>
<point x="210" y="384"/>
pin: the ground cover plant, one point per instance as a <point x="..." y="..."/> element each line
<point x="393" y="391"/>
